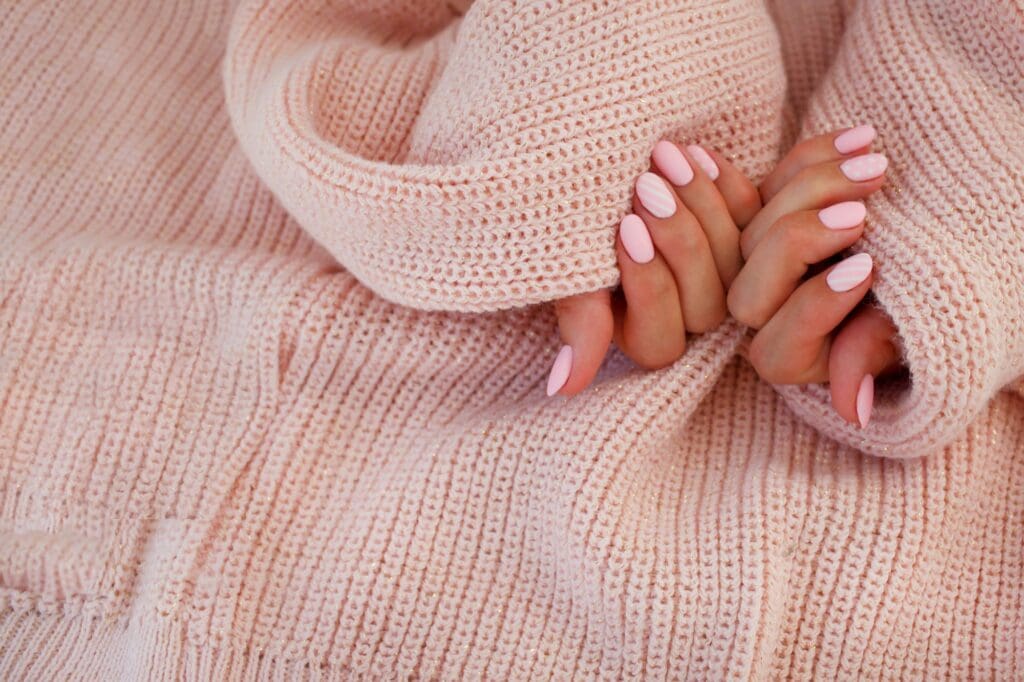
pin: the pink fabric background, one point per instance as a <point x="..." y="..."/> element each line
<point x="273" y="346"/>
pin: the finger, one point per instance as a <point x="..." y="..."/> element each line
<point x="794" y="243"/>
<point x="684" y="246"/>
<point x="793" y="347"/>
<point x="863" y="349"/>
<point x="741" y="195"/>
<point x="692" y="174"/>
<point x="820" y="149"/>
<point x="650" y="330"/>
<point x="585" y="325"/>
<point x="816" y="187"/>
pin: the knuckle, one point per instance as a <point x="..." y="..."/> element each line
<point x="764" y="361"/>
<point x="805" y="313"/>
<point x="660" y="286"/>
<point x="815" y="183"/>
<point x="685" y="237"/>
<point x="652" y="358"/>
<point x="749" y="196"/>
<point x="749" y="199"/>
<point x="707" y="322"/>
<point x="651" y="288"/>
<point x="742" y="309"/>
<point x="805" y="152"/>
<point x="792" y="235"/>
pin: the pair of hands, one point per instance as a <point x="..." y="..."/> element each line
<point x="704" y="242"/>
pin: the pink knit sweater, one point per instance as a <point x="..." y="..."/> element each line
<point x="274" y="338"/>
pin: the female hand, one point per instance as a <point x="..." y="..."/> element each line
<point x="678" y="253"/>
<point x="816" y="329"/>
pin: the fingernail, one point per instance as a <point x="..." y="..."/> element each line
<point x="865" y="400"/>
<point x="636" y="239"/>
<point x="854" y="139"/>
<point x="672" y="163"/>
<point x="843" y="216"/>
<point x="560" y="370"/>
<point x="704" y="160"/>
<point x="655" y="196"/>
<point x="864" y="167"/>
<point x="849" y="273"/>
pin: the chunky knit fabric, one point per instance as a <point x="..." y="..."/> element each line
<point x="274" y="339"/>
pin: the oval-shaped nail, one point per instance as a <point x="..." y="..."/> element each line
<point x="854" y="139"/>
<point x="849" y="273"/>
<point x="560" y="370"/>
<point x="672" y="163"/>
<point x="865" y="167"/>
<point x="704" y="160"/>
<point x="843" y="216"/>
<point x="636" y="239"/>
<point x="865" y="400"/>
<point x="656" y="196"/>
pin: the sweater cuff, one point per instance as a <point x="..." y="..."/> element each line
<point x="468" y="236"/>
<point x="447" y="170"/>
<point x="958" y="317"/>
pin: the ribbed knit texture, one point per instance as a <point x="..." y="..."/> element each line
<point x="272" y="376"/>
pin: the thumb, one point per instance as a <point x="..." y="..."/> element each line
<point x="864" y="348"/>
<point x="585" y="324"/>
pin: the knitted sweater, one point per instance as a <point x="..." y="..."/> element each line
<point x="274" y="334"/>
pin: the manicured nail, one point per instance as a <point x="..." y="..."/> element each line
<point x="656" y="196"/>
<point x="560" y="370"/>
<point x="704" y="160"/>
<point x="636" y="239"/>
<point x="849" y="273"/>
<point x="865" y="400"/>
<point x="843" y="216"/>
<point x="864" y="167"/>
<point x="854" y="139"/>
<point x="672" y="163"/>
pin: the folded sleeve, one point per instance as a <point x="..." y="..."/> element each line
<point x="943" y="83"/>
<point x="478" y="156"/>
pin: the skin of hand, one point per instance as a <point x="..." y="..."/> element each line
<point x="816" y="329"/>
<point x="678" y="252"/>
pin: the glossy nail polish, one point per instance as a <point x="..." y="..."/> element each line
<point x="849" y="273"/>
<point x="636" y="239"/>
<point x="671" y="162"/>
<point x="704" y="160"/>
<point x="865" y="400"/>
<point x="560" y="370"/>
<point x="865" y="167"/>
<point x="656" y="196"/>
<point x="843" y="216"/>
<point x="854" y="139"/>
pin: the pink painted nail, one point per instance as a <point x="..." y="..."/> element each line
<point x="843" y="216"/>
<point x="864" y="167"/>
<point x="672" y="163"/>
<point x="704" y="160"/>
<point x="636" y="239"/>
<point x="849" y="273"/>
<point x="656" y="196"/>
<point x="560" y="370"/>
<point x="865" y="400"/>
<point x="854" y="139"/>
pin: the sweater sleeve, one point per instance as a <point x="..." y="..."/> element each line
<point x="481" y="161"/>
<point x="943" y="83"/>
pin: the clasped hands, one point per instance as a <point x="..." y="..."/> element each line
<point x="703" y="242"/>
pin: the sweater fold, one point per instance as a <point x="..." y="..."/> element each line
<point x="944" y="85"/>
<point x="272" y="377"/>
<point x="484" y="163"/>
